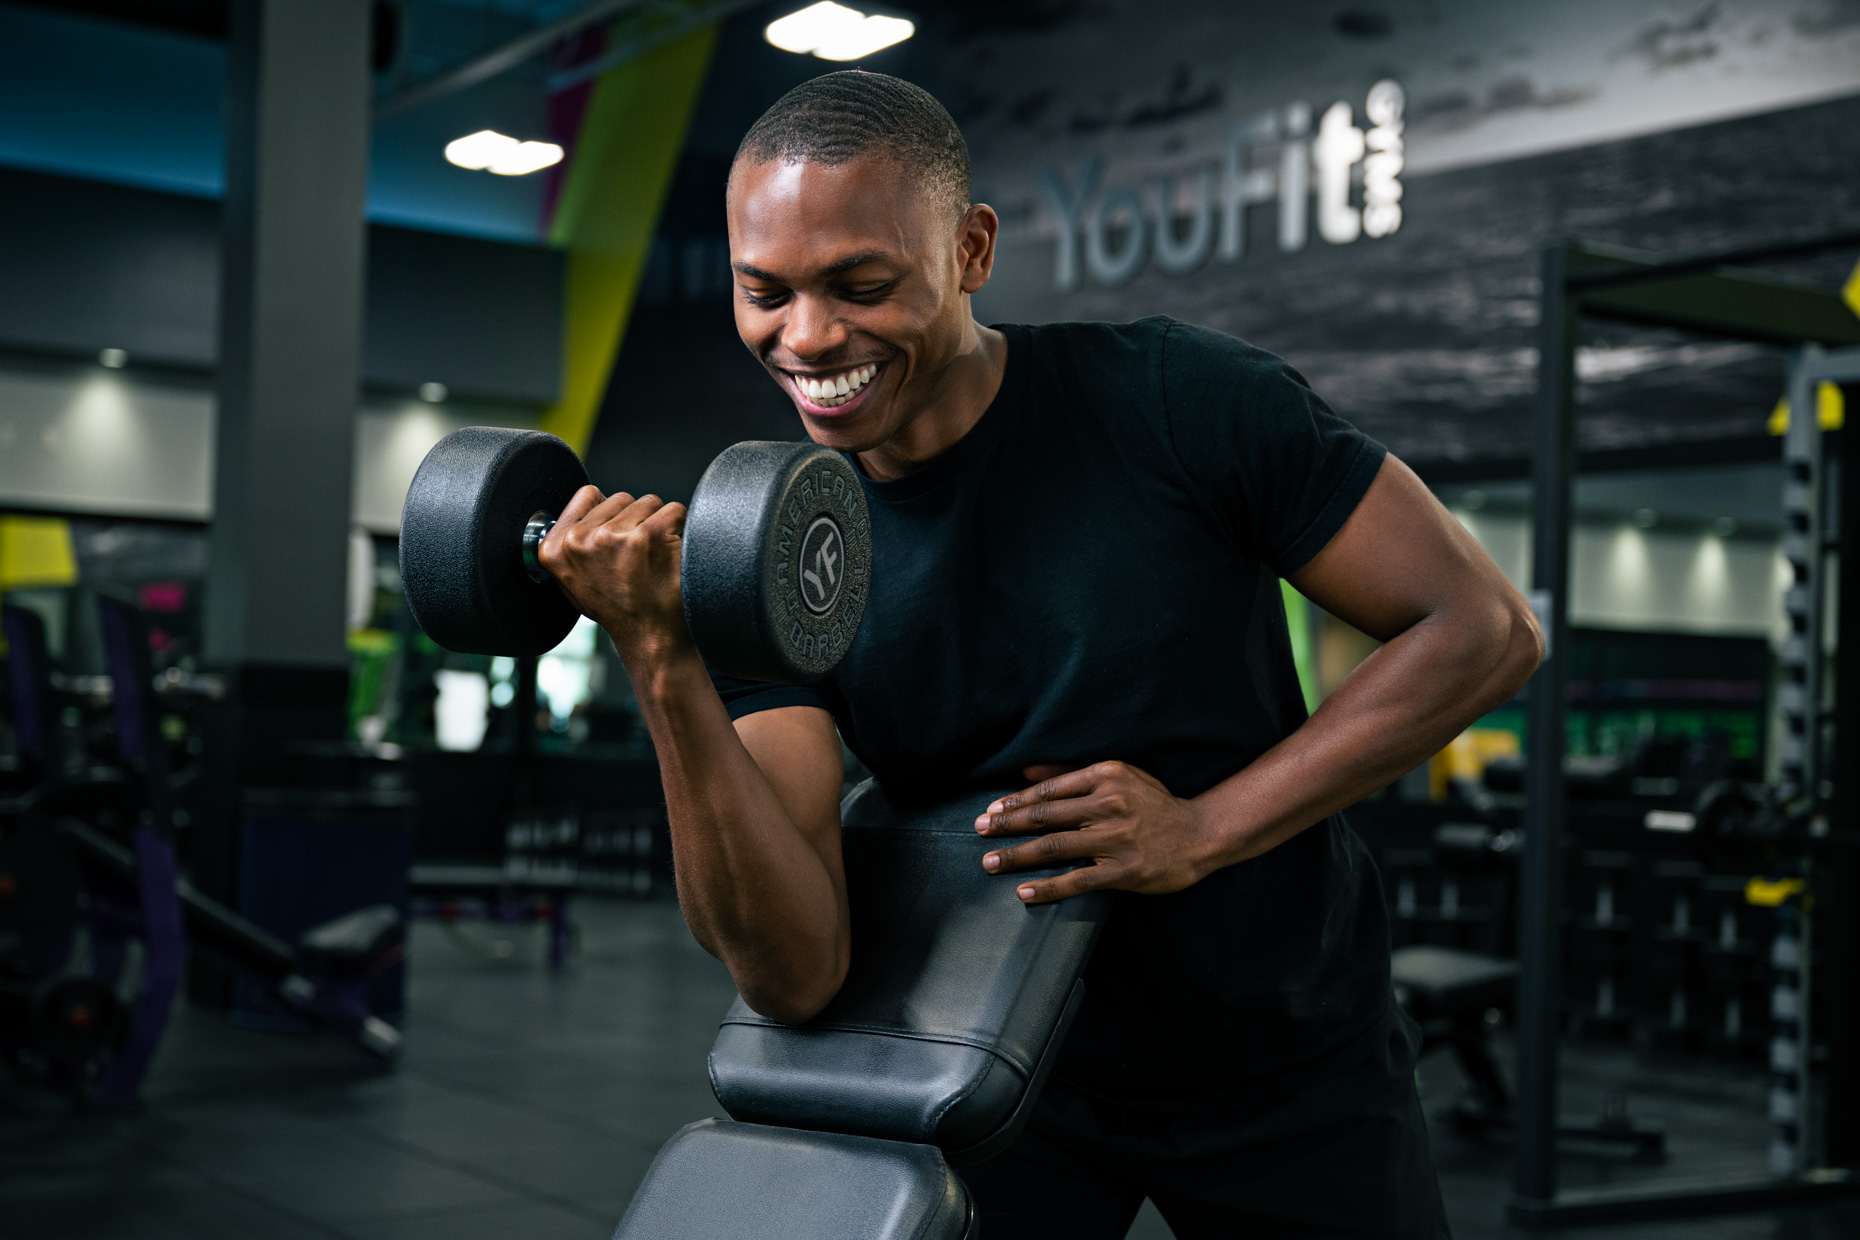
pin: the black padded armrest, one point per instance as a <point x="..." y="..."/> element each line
<point x="957" y="998"/>
<point x="717" y="1180"/>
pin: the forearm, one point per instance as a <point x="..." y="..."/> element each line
<point x="1398" y="708"/>
<point x="756" y="891"/>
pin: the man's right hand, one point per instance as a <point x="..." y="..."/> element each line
<point x="754" y="807"/>
<point x="616" y="558"/>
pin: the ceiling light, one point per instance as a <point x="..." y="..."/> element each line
<point x="867" y="37"/>
<point x="1646" y="518"/>
<point x="114" y="359"/>
<point x="808" y="29"/>
<point x="527" y="157"/>
<point x="433" y="393"/>
<point x="478" y="150"/>
<point x="1724" y="527"/>
<point x="834" y="32"/>
<point x="490" y="151"/>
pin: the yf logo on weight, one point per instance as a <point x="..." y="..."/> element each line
<point x="822" y="565"/>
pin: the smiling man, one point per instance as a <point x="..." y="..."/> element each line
<point x="1078" y="534"/>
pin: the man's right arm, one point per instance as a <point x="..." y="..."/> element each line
<point x="754" y="807"/>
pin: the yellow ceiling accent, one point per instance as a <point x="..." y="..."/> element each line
<point x="622" y="165"/>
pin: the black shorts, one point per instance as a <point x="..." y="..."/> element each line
<point x="1347" y="1156"/>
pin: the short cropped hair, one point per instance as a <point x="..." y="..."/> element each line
<point x="839" y="117"/>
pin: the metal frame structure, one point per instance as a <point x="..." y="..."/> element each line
<point x="1712" y="295"/>
<point x="654" y="24"/>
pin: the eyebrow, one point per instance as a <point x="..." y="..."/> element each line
<point x="831" y="269"/>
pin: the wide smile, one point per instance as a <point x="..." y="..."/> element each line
<point x="834" y="393"/>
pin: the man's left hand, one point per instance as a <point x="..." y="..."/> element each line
<point x="1131" y="833"/>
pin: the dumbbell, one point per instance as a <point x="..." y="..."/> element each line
<point x="775" y="562"/>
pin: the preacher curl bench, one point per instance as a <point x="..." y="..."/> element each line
<point x="930" y="1057"/>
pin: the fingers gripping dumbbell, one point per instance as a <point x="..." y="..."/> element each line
<point x="774" y="565"/>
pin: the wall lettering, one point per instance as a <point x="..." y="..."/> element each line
<point x="1110" y="231"/>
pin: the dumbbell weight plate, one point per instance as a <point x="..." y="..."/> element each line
<point x="777" y="561"/>
<point x="461" y="540"/>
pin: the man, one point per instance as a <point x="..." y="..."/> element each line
<point x="1078" y="534"/>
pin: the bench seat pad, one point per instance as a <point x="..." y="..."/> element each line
<point x="719" y="1180"/>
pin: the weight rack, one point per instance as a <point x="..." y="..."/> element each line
<point x="1712" y="295"/>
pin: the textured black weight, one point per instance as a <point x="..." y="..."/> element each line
<point x="777" y="561"/>
<point x="461" y="540"/>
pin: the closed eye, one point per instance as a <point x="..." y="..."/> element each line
<point x="765" y="300"/>
<point x="869" y="292"/>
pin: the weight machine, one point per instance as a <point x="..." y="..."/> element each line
<point x="62" y="865"/>
<point x="1810" y="811"/>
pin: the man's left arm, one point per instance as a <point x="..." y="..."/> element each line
<point x="1458" y="641"/>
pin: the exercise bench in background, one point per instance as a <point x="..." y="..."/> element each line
<point x="1455" y="994"/>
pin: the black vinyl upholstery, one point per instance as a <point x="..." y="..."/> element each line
<point x="957" y="997"/>
<point x="719" y="1180"/>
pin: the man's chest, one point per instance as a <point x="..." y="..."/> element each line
<point x="992" y="607"/>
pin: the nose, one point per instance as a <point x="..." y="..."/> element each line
<point x="812" y="329"/>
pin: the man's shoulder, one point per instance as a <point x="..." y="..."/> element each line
<point x="1155" y="344"/>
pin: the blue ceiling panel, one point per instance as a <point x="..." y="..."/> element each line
<point x="136" y="106"/>
<point x="111" y="102"/>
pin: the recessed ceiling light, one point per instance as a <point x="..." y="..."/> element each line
<point x="834" y="32"/>
<point x="1724" y="527"/>
<point x="490" y="151"/>
<point x="1645" y="518"/>
<point x="433" y="393"/>
<point x="115" y="359"/>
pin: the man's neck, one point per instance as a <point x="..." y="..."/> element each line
<point x="962" y="395"/>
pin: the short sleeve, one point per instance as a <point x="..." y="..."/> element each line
<point x="746" y="697"/>
<point x="1270" y="461"/>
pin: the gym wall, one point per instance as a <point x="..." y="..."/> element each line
<point x="94" y="266"/>
<point x="1632" y="122"/>
<point x="85" y="439"/>
<point x="1622" y="577"/>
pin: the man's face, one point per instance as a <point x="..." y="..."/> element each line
<point x="852" y="289"/>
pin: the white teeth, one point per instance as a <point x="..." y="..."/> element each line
<point x="838" y="390"/>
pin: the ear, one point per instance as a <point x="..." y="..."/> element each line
<point x="975" y="245"/>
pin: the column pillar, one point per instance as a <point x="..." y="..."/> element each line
<point x="292" y="267"/>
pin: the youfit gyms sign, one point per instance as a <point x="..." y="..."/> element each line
<point x="1273" y="157"/>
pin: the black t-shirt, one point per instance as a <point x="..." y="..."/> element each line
<point x="1092" y="573"/>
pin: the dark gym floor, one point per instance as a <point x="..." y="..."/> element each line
<point x="528" y="1105"/>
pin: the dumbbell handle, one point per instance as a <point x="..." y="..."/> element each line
<point x="534" y="532"/>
